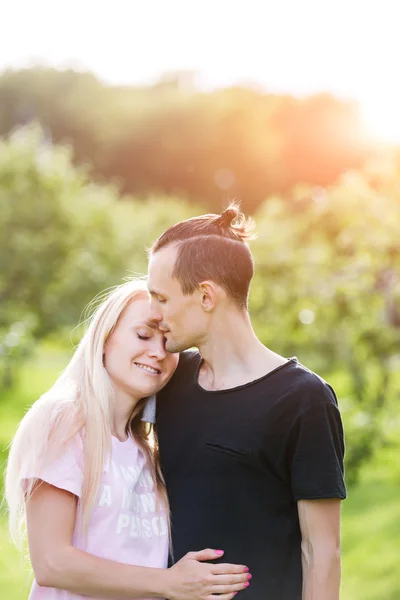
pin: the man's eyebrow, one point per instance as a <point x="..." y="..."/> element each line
<point x="156" y="293"/>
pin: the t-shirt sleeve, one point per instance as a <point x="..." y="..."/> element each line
<point x="64" y="472"/>
<point x="316" y="458"/>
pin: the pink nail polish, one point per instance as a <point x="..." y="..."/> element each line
<point x="249" y="576"/>
<point x="247" y="584"/>
<point x="246" y="569"/>
<point x="219" y="552"/>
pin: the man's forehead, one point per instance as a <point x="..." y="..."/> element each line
<point x="164" y="258"/>
<point x="161" y="265"/>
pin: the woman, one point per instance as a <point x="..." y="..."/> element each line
<point x="83" y="475"/>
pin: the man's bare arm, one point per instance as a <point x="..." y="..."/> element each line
<point x="320" y="548"/>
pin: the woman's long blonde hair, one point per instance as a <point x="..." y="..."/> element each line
<point x="79" y="403"/>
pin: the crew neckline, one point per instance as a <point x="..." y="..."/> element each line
<point x="118" y="441"/>
<point x="290" y="361"/>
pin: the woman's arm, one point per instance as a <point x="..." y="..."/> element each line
<point x="51" y="515"/>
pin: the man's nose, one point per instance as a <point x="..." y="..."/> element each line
<point x="155" y="313"/>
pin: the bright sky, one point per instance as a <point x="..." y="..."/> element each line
<point x="348" y="47"/>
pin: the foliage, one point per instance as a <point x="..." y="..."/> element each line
<point x="171" y="138"/>
<point x="58" y="244"/>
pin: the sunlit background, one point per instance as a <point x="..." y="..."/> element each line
<point x="120" y="118"/>
<point x="347" y="48"/>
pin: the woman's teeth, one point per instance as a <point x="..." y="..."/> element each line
<point x="148" y="369"/>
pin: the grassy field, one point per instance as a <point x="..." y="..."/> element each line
<point x="371" y="514"/>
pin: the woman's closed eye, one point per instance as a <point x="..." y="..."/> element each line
<point x="143" y="337"/>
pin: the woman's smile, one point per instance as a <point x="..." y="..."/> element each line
<point x="148" y="368"/>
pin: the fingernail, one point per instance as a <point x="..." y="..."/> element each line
<point x="246" y="569"/>
<point x="219" y="551"/>
<point x="247" y="584"/>
<point x="249" y="576"/>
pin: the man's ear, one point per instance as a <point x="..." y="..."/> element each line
<point x="209" y="295"/>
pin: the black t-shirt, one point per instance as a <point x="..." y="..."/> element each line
<point x="236" y="461"/>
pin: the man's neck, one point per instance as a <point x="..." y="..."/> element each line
<point x="233" y="355"/>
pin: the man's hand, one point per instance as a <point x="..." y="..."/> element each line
<point x="190" y="579"/>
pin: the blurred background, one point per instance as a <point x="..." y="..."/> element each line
<point x="120" y="118"/>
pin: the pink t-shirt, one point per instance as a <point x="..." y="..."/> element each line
<point x="126" y="525"/>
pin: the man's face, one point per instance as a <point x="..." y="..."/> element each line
<point x="181" y="318"/>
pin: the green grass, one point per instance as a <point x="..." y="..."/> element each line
<point x="371" y="514"/>
<point x="35" y="378"/>
<point x="371" y="531"/>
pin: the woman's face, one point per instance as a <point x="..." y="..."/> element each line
<point x="134" y="354"/>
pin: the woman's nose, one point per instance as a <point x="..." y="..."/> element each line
<point x="158" y="351"/>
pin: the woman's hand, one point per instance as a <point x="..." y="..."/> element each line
<point x="190" y="579"/>
<point x="51" y="517"/>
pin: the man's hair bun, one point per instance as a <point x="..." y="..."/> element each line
<point x="233" y="223"/>
<point x="228" y="216"/>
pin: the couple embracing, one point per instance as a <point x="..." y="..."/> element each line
<point x="229" y="483"/>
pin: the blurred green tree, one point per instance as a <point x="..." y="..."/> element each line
<point x="58" y="242"/>
<point x="170" y="138"/>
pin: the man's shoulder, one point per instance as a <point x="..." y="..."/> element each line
<point x="309" y="387"/>
<point x="293" y="390"/>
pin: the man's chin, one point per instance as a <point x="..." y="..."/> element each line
<point x="173" y="346"/>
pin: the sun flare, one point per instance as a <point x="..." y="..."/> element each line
<point x="382" y="120"/>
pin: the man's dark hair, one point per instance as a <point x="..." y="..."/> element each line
<point x="213" y="247"/>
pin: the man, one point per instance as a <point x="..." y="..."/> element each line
<point x="251" y="443"/>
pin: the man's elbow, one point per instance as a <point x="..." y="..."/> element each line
<point x="321" y="555"/>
